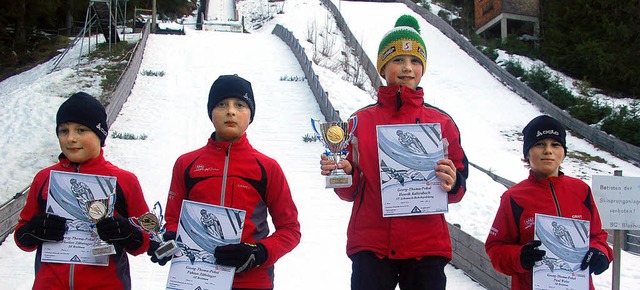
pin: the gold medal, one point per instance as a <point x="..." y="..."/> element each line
<point x="335" y="134"/>
<point x="150" y="222"/>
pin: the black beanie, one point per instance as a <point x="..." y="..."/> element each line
<point x="231" y="86"/>
<point x="84" y="109"/>
<point x="543" y="127"/>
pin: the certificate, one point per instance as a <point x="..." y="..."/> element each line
<point x="407" y="156"/>
<point x="201" y="229"/>
<point x="67" y="197"/>
<point x="566" y="242"/>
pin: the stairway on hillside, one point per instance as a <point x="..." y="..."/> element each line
<point x="106" y="21"/>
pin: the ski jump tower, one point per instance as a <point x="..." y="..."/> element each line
<point x="220" y="15"/>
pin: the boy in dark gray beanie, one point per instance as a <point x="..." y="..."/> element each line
<point x="230" y="86"/>
<point x="540" y="128"/>
<point x="86" y="110"/>
<point x="81" y="128"/>
<point x="227" y="171"/>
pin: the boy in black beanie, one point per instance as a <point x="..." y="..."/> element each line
<point x="549" y="191"/>
<point x="229" y="172"/>
<point x="81" y="127"/>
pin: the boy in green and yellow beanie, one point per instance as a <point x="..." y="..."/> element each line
<point x="411" y="251"/>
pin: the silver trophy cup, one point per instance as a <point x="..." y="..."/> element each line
<point x="151" y="223"/>
<point x="335" y="136"/>
<point x="96" y="210"/>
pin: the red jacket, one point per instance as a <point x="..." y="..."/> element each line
<point x="254" y="183"/>
<point x="396" y="237"/>
<point x="513" y="227"/>
<point x="129" y="202"/>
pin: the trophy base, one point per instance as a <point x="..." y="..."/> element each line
<point x="103" y="250"/>
<point x="338" y="181"/>
<point x="168" y="248"/>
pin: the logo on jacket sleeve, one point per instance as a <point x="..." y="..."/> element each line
<point x="528" y="223"/>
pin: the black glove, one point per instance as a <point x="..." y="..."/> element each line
<point x="243" y="256"/>
<point x="153" y="246"/>
<point x="530" y="254"/>
<point x="596" y="260"/>
<point x="117" y="229"/>
<point x="44" y="227"/>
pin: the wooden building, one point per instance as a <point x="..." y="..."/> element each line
<point x="499" y="18"/>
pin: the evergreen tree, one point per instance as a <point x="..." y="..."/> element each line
<point x="594" y="40"/>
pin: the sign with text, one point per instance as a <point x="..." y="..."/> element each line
<point x="618" y="200"/>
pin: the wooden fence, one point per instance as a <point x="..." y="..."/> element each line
<point x="320" y="94"/>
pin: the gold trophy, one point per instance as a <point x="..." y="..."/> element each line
<point x="151" y="223"/>
<point x="335" y="136"/>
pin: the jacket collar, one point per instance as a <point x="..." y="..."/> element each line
<point x="241" y="143"/>
<point x="545" y="181"/>
<point x="396" y="97"/>
<point x="88" y="165"/>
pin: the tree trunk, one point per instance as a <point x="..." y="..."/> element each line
<point x="20" y="38"/>
<point x="69" y="17"/>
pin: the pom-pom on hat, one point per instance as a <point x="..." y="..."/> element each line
<point x="231" y="86"/>
<point x="404" y="38"/>
<point x="543" y="127"/>
<point x="84" y="109"/>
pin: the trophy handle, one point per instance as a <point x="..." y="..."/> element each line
<point x="134" y="222"/>
<point x="315" y="129"/>
<point x="160" y="215"/>
<point x="112" y="204"/>
<point x="353" y="128"/>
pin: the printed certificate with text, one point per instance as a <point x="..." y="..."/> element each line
<point x="408" y="155"/>
<point x="566" y="242"/>
<point x="71" y="196"/>
<point x="202" y="228"/>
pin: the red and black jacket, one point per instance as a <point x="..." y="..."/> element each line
<point x="397" y="237"/>
<point x="513" y="227"/>
<point x="254" y="183"/>
<point x="129" y="202"/>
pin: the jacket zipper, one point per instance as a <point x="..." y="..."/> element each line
<point x="224" y="175"/>
<point x="398" y="99"/>
<point x="555" y="198"/>
<point x="72" y="266"/>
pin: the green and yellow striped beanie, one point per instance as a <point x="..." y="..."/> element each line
<point x="404" y="38"/>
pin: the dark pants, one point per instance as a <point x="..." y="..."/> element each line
<point x="372" y="273"/>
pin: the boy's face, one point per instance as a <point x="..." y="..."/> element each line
<point x="404" y="70"/>
<point x="231" y="118"/>
<point x="78" y="143"/>
<point x="545" y="157"/>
